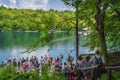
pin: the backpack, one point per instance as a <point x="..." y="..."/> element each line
<point x="101" y="67"/>
<point x="61" y="56"/>
<point x="66" y="69"/>
<point x="70" y="58"/>
<point x="98" y="61"/>
<point x="86" y="64"/>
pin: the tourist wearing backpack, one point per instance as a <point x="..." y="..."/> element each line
<point x="98" y="61"/>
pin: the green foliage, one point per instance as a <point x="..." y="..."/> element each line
<point x="87" y="11"/>
<point x="8" y="73"/>
<point x="48" y="75"/>
<point x="26" y="76"/>
<point x="32" y="20"/>
<point x="116" y="76"/>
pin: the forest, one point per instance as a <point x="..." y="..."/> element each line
<point x="32" y="20"/>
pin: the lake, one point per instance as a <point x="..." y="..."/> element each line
<point x="12" y="44"/>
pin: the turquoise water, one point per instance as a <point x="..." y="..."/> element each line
<point x="13" y="43"/>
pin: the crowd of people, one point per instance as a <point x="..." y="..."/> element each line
<point x="71" y="70"/>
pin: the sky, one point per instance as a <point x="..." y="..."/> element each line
<point x="35" y="4"/>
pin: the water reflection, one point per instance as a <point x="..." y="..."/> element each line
<point x="13" y="43"/>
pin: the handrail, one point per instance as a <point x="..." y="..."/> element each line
<point x="108" y="67"/>
<point x="92" y="67"/>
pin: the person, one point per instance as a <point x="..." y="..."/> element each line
<point x="50" y="60"/>
<point x="42" y="61"/>
<point x="36" y="64"/>
<point x="56" y="62"/>
<point x="2" y="64"/>
<point x="53" y="67"/>
<point x="79" y="64"/>
<point x="69" y="58"/>
<point x="24" y="66"/>
<point x="87" y="63"/>
<point x="30" y="65"/>
<point x="61" y="58"/>
<point x="73" y="72"/>
<point x="15" y="62"/>
<point x="26" y="63"/>
<point x="46" y="59"/>
<point x="19" y="63"/>
<point x="98" y="61"/>
<point x="32" y="59"/>
<point x="66" y="71"/>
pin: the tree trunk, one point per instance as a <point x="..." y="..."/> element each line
<point x="77" y="37"/>
<point x="100" y="29"/>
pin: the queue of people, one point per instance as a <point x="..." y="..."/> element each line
<point x="70" y="69"/>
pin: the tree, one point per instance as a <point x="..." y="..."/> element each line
<point x="99" y="9"/>
<point x="76" y="5"/>
<point x="31" y="20"/>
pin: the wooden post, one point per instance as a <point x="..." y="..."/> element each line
<point x="93" y="75"/>
<point x="110" y="74"/>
